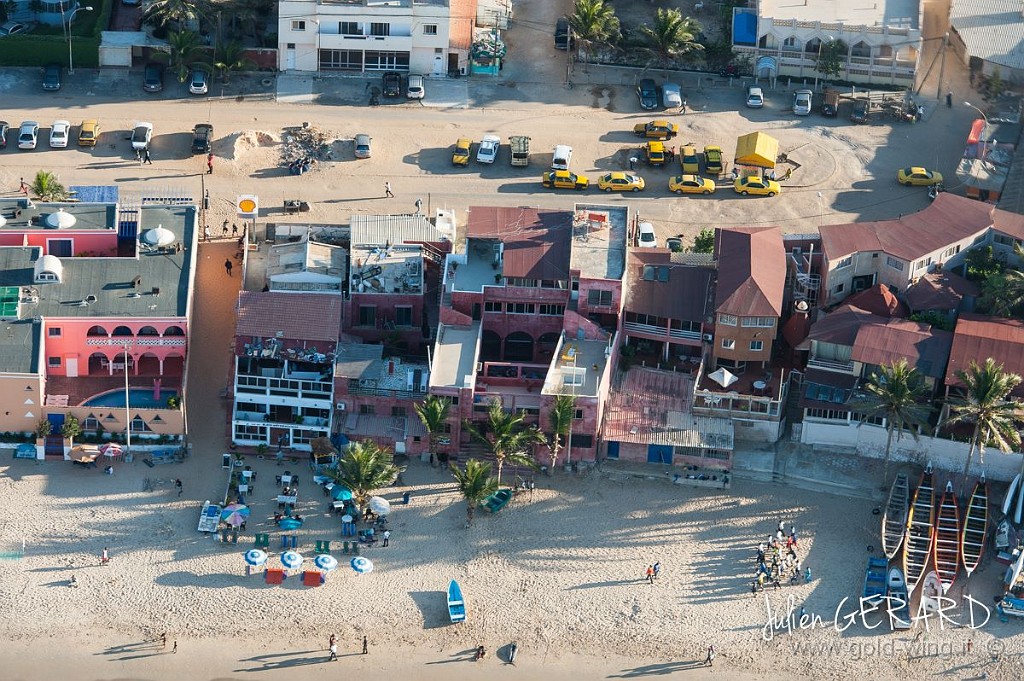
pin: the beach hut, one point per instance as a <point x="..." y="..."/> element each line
<point x="756" y="150"/>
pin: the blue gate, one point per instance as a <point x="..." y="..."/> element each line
<point x="613" y="450"/>
<point x="659" y="454"/>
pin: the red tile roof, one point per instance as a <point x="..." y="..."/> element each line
<point x="296" y="316"/>
<point x="536" y="241"/>
<point x="940" y="291"/>
<point x="751" y="271"/>
<point x="684" y="296"/>
<point x="978" y="337"/>
<point x="948" y="219"/>
<point x="878" y="300"/>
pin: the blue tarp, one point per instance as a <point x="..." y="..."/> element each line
<point x="744" y="27"/>
<point x="94" y="194"/>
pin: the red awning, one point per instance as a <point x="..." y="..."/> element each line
<point x="977" y="130"/>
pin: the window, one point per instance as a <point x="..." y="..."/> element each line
<point x="492" y="307"/>
<point x="845" y="262"/>
<point x="582" y="441"/>
<point x="838" y="288"/>
<point x="53" y="361"/>
<point x="922" y="263"/>
<point x="520" y="308"/>
<point x="573" y="376"/>
<point x="1004" y="240"/>
<point x="759" y="322"/>
<point x="398" y="412"/>
<point x="578" y="415"/>
<point x="599" y="298"/>
<point x="380" y="28"/>
<point x="756" y="346"/>
<point x="894" y="263"/>
<point x="552" y="310"/>
<point x="367" y="409"/>
<point x="341" y="60"/>
<point x="367" y="315"/>
<point x="349" y="28"/>
<point x="952" y="250"/>
<point x="290" y="46"/>
<point x="53" y="333"/>
<point x="90" y="424"/>
<point x="403" y="316"/>
<point x="728" y="344"/>
<point x="727" y="319"/>
<point x="789" y="42"/>
<point x="298" y="25"/>
<point x="455" y="403"/>
<point x="429" y="29"/>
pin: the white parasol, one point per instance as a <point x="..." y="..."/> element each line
<point x="723" y="377"/>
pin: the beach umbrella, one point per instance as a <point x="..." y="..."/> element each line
<point x="255" y="557"/>
<point x="361" y="565"/>
<point x="723" y="377"/>
<point x="110" y="449"/>
<point x="290" y="524"/>
<point x="341" y="493"/>
<point x="291" y="559"/>
<point x="235" y="514"/>
<point x="380" y="505"/>
<point x="325" y="562"/>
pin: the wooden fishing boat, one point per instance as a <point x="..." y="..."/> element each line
<point x="894" y="522"/>
<point x="917" y="545"/>
<point x="874" y="583"/>
<point x="972" y="541"/>
<point x="899" y="600"/>
<point x="1011" y="494"/>
<point x="946" y="541"/>
<point x="456" y="605"/>
<point x="931" y="590"/>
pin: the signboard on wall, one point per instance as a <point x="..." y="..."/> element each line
<point x="248" y="206"/>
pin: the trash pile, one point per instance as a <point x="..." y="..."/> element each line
<point x="304" y="147"/>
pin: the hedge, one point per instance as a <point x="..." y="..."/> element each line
<point x="38" y="49"/>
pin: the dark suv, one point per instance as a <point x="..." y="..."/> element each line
<point x="52" y="76"/>
<point x="202" y="138"/>
<point x="153" y="77"/>
<point x="392" y="84"/>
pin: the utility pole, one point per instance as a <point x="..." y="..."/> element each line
<point x="942" y="66"/>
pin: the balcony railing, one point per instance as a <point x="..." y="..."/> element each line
<point x="661" y="331"/>
<point x="829" y="365"/>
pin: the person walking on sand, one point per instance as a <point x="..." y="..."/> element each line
<point x="104" y="557"/>
<point x="332" y="641"/>
<point x="387" y="191"/>
<point x="24" y="187"/>
<point x="709" y="661"/>
<point x="334" y="651"/>
<point x="146" y="158"/>
<point x="175" y="649"/>
<point x="365" y="643"/>
<point x="228" y="266"/>
<point x="224" y="229"/>
<point x="387" y="536"/>
<point x="650" y="574"/>
<point x="234" y="229"/>
<point x="209" y="163"/>
<point x="657" y="569"/>
<point x="206" y="233"/>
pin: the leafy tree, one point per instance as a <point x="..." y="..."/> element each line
<point x="704" y="242"/>
<point x="593" y="23"/>
<point x="43" y="428"/>
<point x="46" y="187"/>
<point x="671" y="36"/>
<point x="994" y="86"/>
<point x="562" y="412"/>
<point x="434" y="412"/>
<point x="365" y="468"/>
<point x="475" y="484"/>
<point x="831" y="58"/>
<point x="1003" y="293"/>
<point x="231" y="58"/>
<point x="896" y="393"/>
<point x="985" y="405"/>
<point x="71" y="428"/>
<point x="981" y="264"/>
<point x="507" y="436"/>
<point x="933" y="318"/>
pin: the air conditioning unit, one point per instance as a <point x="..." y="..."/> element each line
<point x="340" y="406"/>
<point x="708" y="338"/>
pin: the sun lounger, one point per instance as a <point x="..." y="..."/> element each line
<point x="274" y="575"/>
<point x="263" y="541"/>
<point x="322" y="546"/>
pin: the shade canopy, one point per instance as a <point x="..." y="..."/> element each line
<point x="61" y="219"/>
<point x="757" y="149"/>
<point x="255" y="557"/>
<point x="158" y="236"/>
<point x="723" y="377"/>
<point x="380" y="505"/>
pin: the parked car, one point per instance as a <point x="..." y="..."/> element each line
<point x="202" y="138"/>
<point x="861" y="113"/>
<point x="198" y="82"/>
<point x="89" y="133"/>
<point x="647" y="91"/>
<point x="488" y="149"/>
<point x="461" y="153"/>
<point x="4" y="127"/>
<point x="153" y="77"/>
<point x="142" y="135"/>
<point x="59" y="133"/>
<point x="363" y="149"/>
<point x="755" y="98"/>
<point x="562" y="37"/>
<point x="918" y="177"/>
<point x="689" y="161"/>
<point x="830" y="103"/>
<point x="620" y="182"/>
<point x="802" y="102"/>
<point x="671" y="95"/>
<point x="52" y="76"/>
<point x="691" y="184"/>
<point x="392" y="84"/>
<point x="414" y="88"/>
<point x="658" y="130"/>
<point x="758" y="186"/>
<point x="28" y="135"/>
<point x="564" y="179"/>
<point x="12" y="28"/>
<point x="713" y="160"/>
<point x="646" y="237"/>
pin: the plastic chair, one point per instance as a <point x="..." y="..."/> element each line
<point x="322" y="546"/>
<point x="263" y="541"/>
<point x="355" y="548"/>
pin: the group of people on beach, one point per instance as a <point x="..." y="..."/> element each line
<point x="778" y="559"/>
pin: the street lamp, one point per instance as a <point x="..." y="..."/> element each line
<point x="127" y="403"/>
<point x="984" y="140"/>
<point x="71" y="59"/>
<point x="817" y="66"/>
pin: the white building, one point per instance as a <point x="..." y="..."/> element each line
<point x="429" y="37"/>
<point x="785" y="38"/>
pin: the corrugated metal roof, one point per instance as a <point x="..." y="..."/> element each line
<point x="878" y="300"/>
<point x="940" y="291"/>
<point x="751" y="271"/>
<point x="683" y="296"/>
<point x="536" y="242"/>
<point x="397" y="229"/>
<point x="924" y="347"/>
<point x="297" y="316"/>
<point x="978" y="337"/>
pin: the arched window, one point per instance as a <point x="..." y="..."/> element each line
<point x="97" y="331"/>
<point x="490" y="346"/>
<point x="519" y="347"/>
<point x="860" y="49"/>
<point x="148" y="331"/>
<point x="173" y="331"/>
<point x="122" y="331"/>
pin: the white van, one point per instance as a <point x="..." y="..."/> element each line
<point x="562" y="157"/>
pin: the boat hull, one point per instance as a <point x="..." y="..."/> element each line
<point x="917" y="545"/>
<point x="972" y="540"/>
<point x="456" y="604"/>
<point x="894" y="522"/>
<point x="946" y="543"/>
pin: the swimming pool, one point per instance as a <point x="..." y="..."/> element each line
<point x="140" y="397"/>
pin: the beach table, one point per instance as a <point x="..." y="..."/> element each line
<point x="338" y="506"/>
<point x="327" y="488"/>
<point x="322" y="480"/>
<point x="282" y="499"/>
<point x="286" y="480"/>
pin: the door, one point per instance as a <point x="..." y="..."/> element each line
<point x="438" y="66"/>
<point x="71" y="365"/>
<point x="62" y="248"/>
<point x="659" y="454"/>
<point x="289" y="59"/>
<point x="613" y="451"/>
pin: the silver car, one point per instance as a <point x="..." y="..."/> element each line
<point x="28" y="135"/>
<point x="363" y="145"/>
<point x="414" y="87"/>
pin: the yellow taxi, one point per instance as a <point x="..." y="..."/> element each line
<point x="691" y="184"/>
<point x="758" y="186"/>
<point x="654" y="152"/>
<point x="660" y="130"/>
<point x="620" y="182"/>
<point x="918" y="177"/>
<point x="89" y="133"/>
<point x="462" y="152"/>
<point x="564" y="179"/>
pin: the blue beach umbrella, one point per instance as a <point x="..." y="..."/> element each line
<point x="290" y="524"/>
<point x="291" y="559"/>
<point x="235" y="514"/>
<point x="325" y="562"/>
<point x="255" y="557"/>
<point x="361" y="565"/>
<point x="341" y="493"/>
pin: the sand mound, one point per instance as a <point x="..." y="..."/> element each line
<point x="238" y="144"/>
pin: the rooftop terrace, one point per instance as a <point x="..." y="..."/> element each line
<point x="455" y="353"/>
<point x="20" y="214"/>
<point x="576" y="368"/>
<point x="395" y="269"/>
<point x="598" y="248"/>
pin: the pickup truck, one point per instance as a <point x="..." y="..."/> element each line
<point x="830" y="103"/>
<point x="202" y="138"/>
<point x="392" y="84"/>
<point x="520" y="146"/>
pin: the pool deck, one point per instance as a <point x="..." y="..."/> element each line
<point x="80" y="389"/>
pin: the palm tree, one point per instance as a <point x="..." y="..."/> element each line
<point x="475" y="484"/>
<point x="984" y="404"/>
<point x="593" y="23"/>
<point x="185" y="49"/>
<point x="231" y="58"/>
<point x="433" y="412"/>
<point x="671" y="36"/>
<point x="46" y="187"/>
<point x="365" y="468"/>
<point x="1008" y="293"/>
<point x="509" y="436"/>
<point x="164" y="12"/>
<point x="562" y="412"/>
<point x="896" y="393"/>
